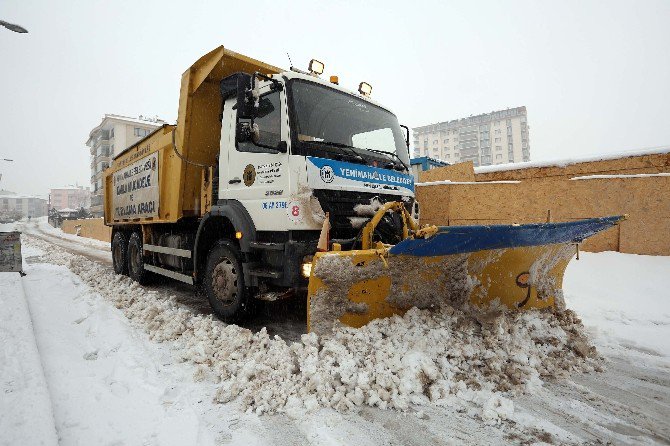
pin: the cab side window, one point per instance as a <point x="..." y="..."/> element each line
<point x="268" y="122"/>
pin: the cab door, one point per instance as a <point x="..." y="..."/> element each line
<point x="256" y="172"/>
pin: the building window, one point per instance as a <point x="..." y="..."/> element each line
<point x="111" y="133"/>
<point x="498" y="147"/>
<point x="498" y="156"/>
<point x="141" y="132"/>
<point x="435" y="142"/>
<point x="446" y="141"/>
<point x="496" y="140"/>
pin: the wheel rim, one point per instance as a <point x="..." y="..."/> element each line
<point x="224" y="281"/>
<point x="135" y="258"/>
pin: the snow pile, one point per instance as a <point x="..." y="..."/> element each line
<point x="368" y="210"/>
<point x="455" y="357"/>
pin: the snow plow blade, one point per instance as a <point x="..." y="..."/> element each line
<point x="516" y="266"/>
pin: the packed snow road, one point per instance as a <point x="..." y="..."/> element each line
<point x="284" y="318"/>
<point x="144" y="373"/>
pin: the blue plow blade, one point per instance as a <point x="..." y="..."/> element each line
<point x="464" y="239"/>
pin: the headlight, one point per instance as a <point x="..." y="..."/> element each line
<point x="306" y="269"/>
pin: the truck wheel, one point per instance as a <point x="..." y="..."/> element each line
<point x="136" y="269"/>
<point x="224" y="283"/>
<point x="120" y="253"/>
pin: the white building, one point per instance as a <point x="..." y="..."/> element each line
<point x="492" y="138"/>
<point x="17" y="206"/>
<point x="113" y="135"/>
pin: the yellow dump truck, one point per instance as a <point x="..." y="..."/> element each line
<point x="271" y="177"/>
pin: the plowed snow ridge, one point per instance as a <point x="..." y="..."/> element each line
<point x="453" y="357"/>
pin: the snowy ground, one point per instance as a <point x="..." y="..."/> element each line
<point x="83" y="368"/>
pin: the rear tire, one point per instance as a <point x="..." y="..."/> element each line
<point x="135" y="262"/>
<point x="223" y="283"/>
<point x="120" y="253"/>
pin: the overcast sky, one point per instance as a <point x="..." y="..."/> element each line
<point x="594" y="75"/>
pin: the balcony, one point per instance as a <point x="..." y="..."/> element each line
<point x="470" y="153"/>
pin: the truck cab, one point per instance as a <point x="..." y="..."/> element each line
<point x="302" y="148"/>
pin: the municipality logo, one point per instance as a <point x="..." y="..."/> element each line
<point x="327" y="174"/>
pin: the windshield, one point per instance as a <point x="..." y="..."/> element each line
<point x="326" y="115"/>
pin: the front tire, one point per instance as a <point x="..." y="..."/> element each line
<point x="224" y="283"/>
<point x="135" y="256"/>
<point x="120" y="253"/>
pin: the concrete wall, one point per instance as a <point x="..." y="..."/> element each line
<point x="90" y="227"/>
<point x="548" y="192"/>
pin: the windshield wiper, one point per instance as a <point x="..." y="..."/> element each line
<point x="392" y="154"/>
<point x="341" y="146"/>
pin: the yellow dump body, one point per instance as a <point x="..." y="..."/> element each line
<point x="167" y="175"/>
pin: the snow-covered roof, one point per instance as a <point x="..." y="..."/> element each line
<point x="81" y="188"/>
<point x="637" y="175"/>
<point x="568" y="161"/>
<point x="437" y="183"/>
<point x="157" y="123"/>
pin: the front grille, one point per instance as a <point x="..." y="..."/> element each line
<point x="340" y="205"/>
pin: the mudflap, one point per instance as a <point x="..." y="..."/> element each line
<point x="356" y="287"/>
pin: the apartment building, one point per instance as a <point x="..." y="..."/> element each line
<point x="113" y="135"/>
<point x="70" y="197"/>
<point x="491" y="138"/>
<point x="13" y="205"/>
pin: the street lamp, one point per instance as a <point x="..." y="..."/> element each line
<point x="13" y="27"/>
<point x="5" y="159"/>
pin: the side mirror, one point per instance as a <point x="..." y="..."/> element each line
<point x="245" y="103"/>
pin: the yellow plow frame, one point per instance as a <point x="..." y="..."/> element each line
<point x="437" y="266"/>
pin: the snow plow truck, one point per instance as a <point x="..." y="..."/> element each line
<point x="279" y="184"/>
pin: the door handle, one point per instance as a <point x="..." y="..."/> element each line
<point x="234" y="181"/>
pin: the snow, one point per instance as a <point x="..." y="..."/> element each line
<point x="105" y="388"/>
<point x="25" y="406"/>
<point x="625" y="299"/>
<point x="568" y="161"/>
<point x="437" y="183"/>
<point x="130" y="365"/>
<point x="453" y="357"/>
<point x="44" y="226"/>
<point x="638" y="175"/>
